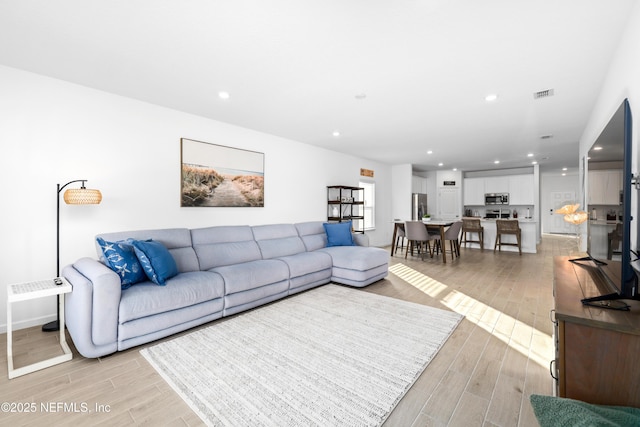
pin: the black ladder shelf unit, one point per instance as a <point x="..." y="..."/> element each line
<point x="348" y="203"/>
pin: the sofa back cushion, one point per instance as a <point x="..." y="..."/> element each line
<point x="312" y="234"/>
<point x="278" y="240"/>
<point x="224" y="245"/>
<point x="177" y="240"/>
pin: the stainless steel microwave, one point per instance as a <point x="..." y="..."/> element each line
<point x="496" y="199"/>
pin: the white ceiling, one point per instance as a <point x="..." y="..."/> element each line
<point x="293" y="68"/>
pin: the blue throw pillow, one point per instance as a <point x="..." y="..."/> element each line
<point x="157" y="262"/>
<point x="121" y="258"/>
<point x="338" y="234"/>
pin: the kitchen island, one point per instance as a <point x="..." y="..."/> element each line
<point x="528" y="236"/>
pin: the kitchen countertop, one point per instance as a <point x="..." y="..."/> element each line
<point x="521" y="220"/>
<point x="604" y="222"/>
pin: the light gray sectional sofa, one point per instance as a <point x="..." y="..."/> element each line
<point x="222" y="270"/>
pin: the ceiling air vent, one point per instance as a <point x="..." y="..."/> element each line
<point x="543" y="94"/>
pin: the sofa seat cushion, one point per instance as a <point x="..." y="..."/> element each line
<point x="252" y="274"/>
<point x="307" y="263"/>
<point x="186" y="289"/>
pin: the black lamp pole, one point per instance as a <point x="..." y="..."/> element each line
<point x="55" y="324"/>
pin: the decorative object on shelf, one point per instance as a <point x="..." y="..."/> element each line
<point x="73" y="196"/>
<point x="219" y="176"/>
<point x="426" y="217"/>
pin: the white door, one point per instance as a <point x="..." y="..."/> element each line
<point x="555" y="223"/>
<point x="449" y="203"/>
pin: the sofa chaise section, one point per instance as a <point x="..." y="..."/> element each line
<point x="350" y="264"/>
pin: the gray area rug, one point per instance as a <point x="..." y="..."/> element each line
<point x="331" y="356"/>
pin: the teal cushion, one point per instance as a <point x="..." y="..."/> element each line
<point x="338" y="234"/>
<point x="120" y="256"/>
<point x="157" y="262"/>
<point x="557" y="411"/>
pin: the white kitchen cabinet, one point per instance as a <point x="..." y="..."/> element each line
<point x="418" y="184"/>
<point x="605" y="187"/>
<point x="521" y="190"/>
<point x="496" y="184"/>
<point x="473" y="191"/>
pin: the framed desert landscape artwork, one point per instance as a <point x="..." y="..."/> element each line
<point x="215" y="175"/>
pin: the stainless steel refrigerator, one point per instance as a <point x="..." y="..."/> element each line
<point x="418" y="206"/>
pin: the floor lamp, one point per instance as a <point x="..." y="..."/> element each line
<point x="73" y="196"/>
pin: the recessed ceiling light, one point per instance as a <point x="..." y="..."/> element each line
<point x="440" y="164"/>
<point x="564" y="169"/>
<point x="491" y="97"/>
<point x="429" y="151"/>
<point x="564" y="174"/>
<point x="597" y="148"/>
<point x="454" y="169"/>
<point x="496" y="161"/>
<point x="530" y="155"/>
<point x="223" y="95"/>
<point x="336" y="133"/>
<point x="534" y="162"/>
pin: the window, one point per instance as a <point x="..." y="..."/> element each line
<point x="369" y="204"/>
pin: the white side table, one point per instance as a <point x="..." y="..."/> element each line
<point x="29" y="291"/>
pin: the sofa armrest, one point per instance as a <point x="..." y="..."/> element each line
<point x="92" y="307"/>
<point x="360" y="239"/>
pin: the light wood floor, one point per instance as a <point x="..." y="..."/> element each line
<point x="482" y="376"/>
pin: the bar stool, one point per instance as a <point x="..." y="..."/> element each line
<point x="472" y="225"/>
<point x="507" y="226"/>
<point x="400" y="236"/>
<point x="613" y="242"/>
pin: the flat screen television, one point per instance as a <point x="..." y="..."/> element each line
<point x="609" y="202"/>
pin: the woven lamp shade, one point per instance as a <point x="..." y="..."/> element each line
<point x="568" y="209"/>
<point x="82" y="196"/>
<point x="576" y="218"/>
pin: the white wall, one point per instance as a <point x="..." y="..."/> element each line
<point x="54" y="132"/>
<point x="622" y="81"/>
<point x="401" y="192"/>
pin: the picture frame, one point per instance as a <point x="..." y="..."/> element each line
<point x="213" y="175"/>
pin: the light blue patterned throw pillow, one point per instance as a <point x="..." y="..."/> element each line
<point x="156" y="261"/>
<point x="121" y="258"/>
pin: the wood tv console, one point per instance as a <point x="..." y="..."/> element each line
<point x="597" y="350"/>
